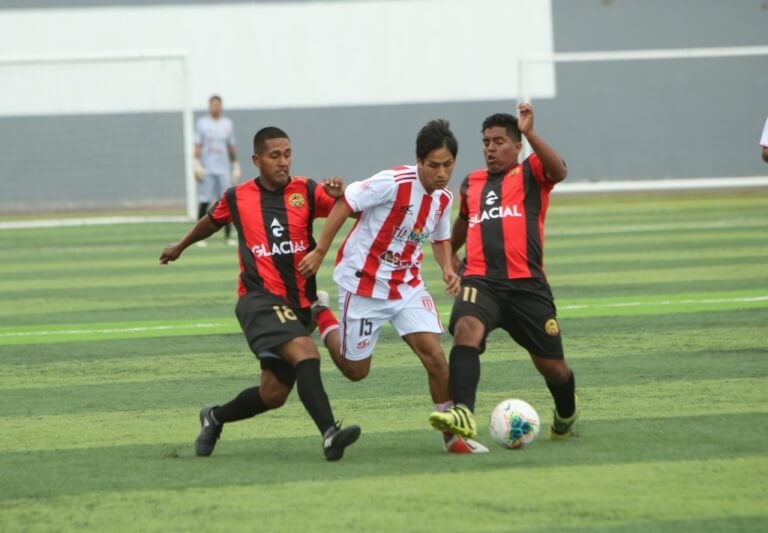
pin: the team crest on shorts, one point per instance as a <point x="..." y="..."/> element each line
<point x="552" y="328"/>
<point x="296" y="199"/>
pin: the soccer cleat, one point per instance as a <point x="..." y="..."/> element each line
<point x="458" y="419"/>
<point x="336" y="439"/>
<point x="458" y="444"/>
<point x="210" y="431"/>
<point x="201" y="244"/>
<point x="323" y="302"/>
<point x="562" y="428"/>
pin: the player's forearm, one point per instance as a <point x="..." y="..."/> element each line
<point x="551" y="161"/>
<point x="198" y="151"/>
<point x="442" y="253"/>
<point x="232" y="153"/>
<point x="458" y="235"/>
<point x="203" y="229"/>
<point x="336" y="218"/>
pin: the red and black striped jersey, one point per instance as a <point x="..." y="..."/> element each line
<point x="275" y="233"/>
<point x="505" y="215"/>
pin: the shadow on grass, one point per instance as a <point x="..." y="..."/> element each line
<point x="270" y="461"/>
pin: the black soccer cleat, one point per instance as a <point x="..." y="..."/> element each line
<point x="210" y="431"/>
<point x="336" y="439"/>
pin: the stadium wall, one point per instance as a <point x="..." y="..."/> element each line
<point x="350" y="113"/>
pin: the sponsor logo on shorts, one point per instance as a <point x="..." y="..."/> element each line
<point x="296" y="199"/>
<point x="552" y="327"/>
<point x="362" y="344"/>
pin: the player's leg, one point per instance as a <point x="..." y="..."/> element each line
<point x="222" y="183"/>
<point x="277" y="378"/>
<point x="360" y="324"/>
<point x="204" y="198"/>
<point x="273" y="327"/>
<point x="302" y="354"/>
<point x="475" y="313"/>
<point x="531" y="319"/>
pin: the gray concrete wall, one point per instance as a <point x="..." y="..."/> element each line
<point x="628" y="120"/>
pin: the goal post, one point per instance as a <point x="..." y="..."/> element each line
<point x="95" y="105"/>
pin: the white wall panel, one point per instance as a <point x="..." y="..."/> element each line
<point x="283" y="54"/>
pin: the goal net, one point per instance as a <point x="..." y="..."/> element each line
<point x="95" y="132"/>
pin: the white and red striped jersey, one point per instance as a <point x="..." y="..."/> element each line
<point x="381" y="256"/>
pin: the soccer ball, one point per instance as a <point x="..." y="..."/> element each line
<point x="514" y="424"/>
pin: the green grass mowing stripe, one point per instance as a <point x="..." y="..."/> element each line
<point x="726" y="491"/>
<point x="145" y="426"/>
<point x="613" y="307"/>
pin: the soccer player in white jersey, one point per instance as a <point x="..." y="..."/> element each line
<point x="216" y="164"/>
<point x="378" y="268"/>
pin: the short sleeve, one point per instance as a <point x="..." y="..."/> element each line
<point x="764" y="137"/>
<point x="219" y="212"/>
<point x="324" y="202"/>
<point x="376" y="190"/>
<point x="443" y="228"/>
<point x="538" y="172"/>
<point x="199" y="131"/>
<point x="463" y="203"/>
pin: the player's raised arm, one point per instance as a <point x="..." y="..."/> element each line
<point x="311" y="262"/>
<point x="551" y="161"/>
<point x="202" y="230"/>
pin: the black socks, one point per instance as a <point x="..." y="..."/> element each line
<point x="465" y="374"/>
<point x="564" y="396"/>
<point x="312" y="394"/>
<point x="247" y="404"/>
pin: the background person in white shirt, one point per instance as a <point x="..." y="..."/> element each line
<point x="216" y="165"/>
<point x="764" y="141"/>
<point x="378" y="267"/>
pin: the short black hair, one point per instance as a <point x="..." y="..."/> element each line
<point x="215" y="97"/>
<point x="506" y="121"/>
<point x="264" y="134"/>
<point x="434" y="135"/>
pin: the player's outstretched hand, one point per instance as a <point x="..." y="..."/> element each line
<point x="171" y="253"/>
<point x="334" y="186"/>
<point x="452" y="283"/>
<point x="310" y="264"/>
<point x="525" y="118"/>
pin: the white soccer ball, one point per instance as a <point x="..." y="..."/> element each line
<point x="514" y="424"/>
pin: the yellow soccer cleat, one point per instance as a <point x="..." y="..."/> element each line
<point x="458" y="419"/>
<point x="562" y="428"/>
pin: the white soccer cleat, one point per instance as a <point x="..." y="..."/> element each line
<point x="457" y="444"/>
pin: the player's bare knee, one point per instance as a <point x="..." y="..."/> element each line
<point x="467" y="333"/>
<point x="274" y="398"/>
<point x="355" y="370"/>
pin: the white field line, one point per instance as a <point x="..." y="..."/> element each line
<point x="446" y="313"/>
<point x="661" y="185"/>
<point x="136" y="329"/>
<point x="564" y="188"/>
<point x="91" y="221"/>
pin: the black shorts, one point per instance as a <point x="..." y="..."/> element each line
<point x="524" y="308"/>
<point x="267" y="322"/>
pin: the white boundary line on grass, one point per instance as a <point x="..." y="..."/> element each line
<point x="564" y="188"/>
<point x="110" y="330"/>
<point x="747" y="299"/>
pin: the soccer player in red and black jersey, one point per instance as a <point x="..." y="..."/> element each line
<point x="501" y="221"/>
<point x="273" y="215"/>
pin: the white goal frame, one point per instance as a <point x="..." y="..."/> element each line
<point x="523" y="77"/>
<point x="184" y="98"/>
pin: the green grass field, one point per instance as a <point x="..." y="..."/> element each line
<point x="106" y="358"/>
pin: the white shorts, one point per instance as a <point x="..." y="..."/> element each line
<point x="362" y="318"/>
